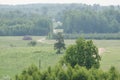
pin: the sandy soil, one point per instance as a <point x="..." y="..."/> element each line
<point x="101" y="50"/>
<point x="41" y="40"/>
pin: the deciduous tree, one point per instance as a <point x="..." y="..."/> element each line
<point x="59" y="45"/>
<point x="83" y="53"/>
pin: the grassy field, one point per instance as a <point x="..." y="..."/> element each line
<point x="111" y="56"/>
<point x="16" y="55"/>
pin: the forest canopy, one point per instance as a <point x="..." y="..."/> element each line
<point x="36" y="19"/>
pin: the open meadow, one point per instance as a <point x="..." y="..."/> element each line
<point x="16" y="55"/>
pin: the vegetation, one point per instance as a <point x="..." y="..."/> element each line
<point x="36" y="19"/>
<point x="15" y="58"/>
<point x="98" y="36"/>
<point x="32" y="43"/>
<point x="80" y="61"/>
<point x="83" y="53"/>
<point x="68" y="73"/>
<point x="74" y="71"/>
<point x="91" y="21"/>
<point x="59" y="45"/>
<point x="18" y="23"/>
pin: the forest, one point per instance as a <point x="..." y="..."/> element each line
<point x="37" y="19"/>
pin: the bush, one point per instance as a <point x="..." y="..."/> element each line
<point x="61" y="73"/>
<point x="80" y="73"/>
<point x="32" y="43"/>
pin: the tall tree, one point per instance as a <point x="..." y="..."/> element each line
<point x="59" y="45"/>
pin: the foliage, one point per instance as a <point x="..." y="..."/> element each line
<point x="76" y="18"/>
<point x="113" y="74"/>
<point x="14" y="59"/>
<point x="83" y="53"/>
<point x="59" y="45"/>
<point x="98" y="36"/>
<point x="23" y="24"/>
<point x="32" y="73"/>
<point x="91" y="21"/>
<point x="32" y="43"/>
<point x="60" y="73"/>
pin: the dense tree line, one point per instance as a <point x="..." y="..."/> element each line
<point x="19" y="23"/>
<point x="36" y="19"/>
<point x="98" y="36"/>
<point x="92" y="21"/>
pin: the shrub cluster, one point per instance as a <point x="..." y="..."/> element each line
<point x="68" y="73"/>
<point x="32" y="43"/>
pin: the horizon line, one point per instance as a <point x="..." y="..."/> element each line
<point x="32" y="3"/>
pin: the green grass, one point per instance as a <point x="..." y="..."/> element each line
<point x="13" y="59"/>
<point x="111" y="57"/>
<point x="16" y="55"/>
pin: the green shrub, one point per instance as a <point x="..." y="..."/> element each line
<point x="68" y="73"/>
<point x="114" y="74"/>
<point x="32" y="43"/>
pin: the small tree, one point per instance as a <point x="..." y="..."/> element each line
<point x="59" y="45"/>
<point x="83" y="53"/>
